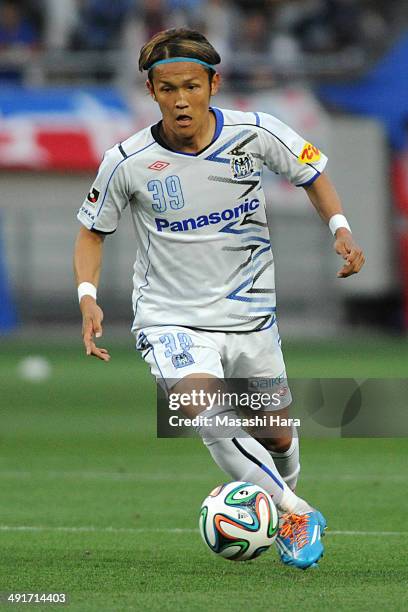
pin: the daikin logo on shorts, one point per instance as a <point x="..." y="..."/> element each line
<point x="195" y="223"/>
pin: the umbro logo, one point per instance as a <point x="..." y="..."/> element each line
<point x="159" y="165"/>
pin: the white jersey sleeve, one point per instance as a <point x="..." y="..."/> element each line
<point x="109" y="195"/>
<point x="287" y="153"/>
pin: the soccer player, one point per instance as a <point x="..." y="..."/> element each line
<point x="204" y="290"/>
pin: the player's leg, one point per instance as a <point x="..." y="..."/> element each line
<point x="234" y="451"/>
<point x="298" y="540"/>
<point x="284" y="450"/>
<point x="170" y="351"/>
<point x="187" y="360"/>
<point x="259" y="355"/>
<point x="287" y="461"/>
<point x="261" y="359"/>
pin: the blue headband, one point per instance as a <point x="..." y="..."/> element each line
<point x="170" y="60"/>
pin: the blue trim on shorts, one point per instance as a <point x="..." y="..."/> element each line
<point x="157" y="364"/>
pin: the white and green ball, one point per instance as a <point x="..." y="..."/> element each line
<point x="238" y="521"/>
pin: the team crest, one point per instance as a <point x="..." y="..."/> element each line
<point x="242" y="166"/>
<point x="181" y="360"/>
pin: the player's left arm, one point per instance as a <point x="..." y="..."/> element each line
<point x="326" y="201"/>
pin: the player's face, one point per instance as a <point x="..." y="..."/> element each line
<point x="182" y="91"/>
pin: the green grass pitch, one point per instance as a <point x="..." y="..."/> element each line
<point x="92" y="504"/>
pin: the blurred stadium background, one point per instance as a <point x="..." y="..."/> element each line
<point x="333" y="69"/>
<point x="77" y="437"/>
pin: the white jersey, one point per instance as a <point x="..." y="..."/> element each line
<point x="204" y="256"/>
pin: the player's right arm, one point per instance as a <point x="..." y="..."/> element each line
<point x="99" y="215"/>
<point x="87" y="267"/>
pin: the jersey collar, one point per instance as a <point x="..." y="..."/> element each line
<point x="219" y="124"/>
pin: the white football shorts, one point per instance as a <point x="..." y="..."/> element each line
<point x="174" y="352"/>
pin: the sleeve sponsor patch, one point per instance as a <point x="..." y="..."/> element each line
<point x="309" y="154"/>
<point x="88" y="213"/>
<point x="93" y="196"/>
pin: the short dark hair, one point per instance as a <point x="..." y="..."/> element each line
<point x="177" y="42"/>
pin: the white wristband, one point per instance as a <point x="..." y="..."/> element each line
<point x="86" y="289"/>
<point x="337" y="221"/>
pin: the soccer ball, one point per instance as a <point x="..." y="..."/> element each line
<point x="238" y="521"/>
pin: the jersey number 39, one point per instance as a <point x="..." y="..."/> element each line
<point x="168" y="195"/>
